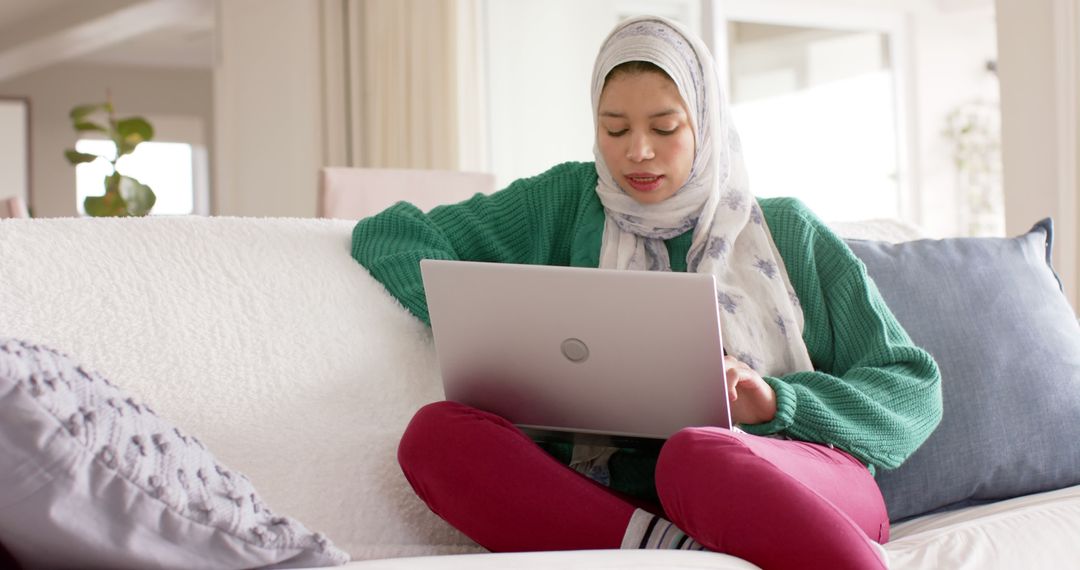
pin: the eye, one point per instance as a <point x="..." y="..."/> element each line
<point x="616" y="133"/>
<point x="666" y="132"/>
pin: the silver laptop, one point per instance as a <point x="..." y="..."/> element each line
<point x="587" y="355"/>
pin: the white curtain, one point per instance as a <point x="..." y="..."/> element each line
<point x="472" y="77"/>
<point x="404" y="84"/>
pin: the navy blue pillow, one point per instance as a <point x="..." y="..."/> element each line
<point x="992" y="312"/>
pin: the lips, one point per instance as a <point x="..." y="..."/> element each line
<point x="644" y="181"/>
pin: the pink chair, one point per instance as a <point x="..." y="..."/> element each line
<point x="14" y="207"/>
<point x="354" y="193"/>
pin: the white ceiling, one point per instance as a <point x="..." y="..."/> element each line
<point x="159" y="33"/>
<point x="180" y="44"/>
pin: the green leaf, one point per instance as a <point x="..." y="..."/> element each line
<point x="103" y="206"/>
<point x="83" y="126"/>
<point x="122" y="147"/>
<point x="80" y="112"/>
<point x="75" y="157"/>
<point x="132" y="131"/>
<point x="139" y="197"/>
<point x="110" y="204"/>
<point x="112" y="183"/>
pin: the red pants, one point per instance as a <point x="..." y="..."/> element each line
<point x="776" y="503"/>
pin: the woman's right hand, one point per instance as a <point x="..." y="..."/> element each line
<point x="750" y="397"/>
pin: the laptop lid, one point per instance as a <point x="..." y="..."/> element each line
<point x="566" y="350"/>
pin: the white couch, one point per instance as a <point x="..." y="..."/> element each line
<point x="269" y="342"/>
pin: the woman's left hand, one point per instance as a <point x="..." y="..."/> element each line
<point x="751" y="398"/>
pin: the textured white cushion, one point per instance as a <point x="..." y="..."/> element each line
<point x="263" y="338"/>
<point x="89" y="475"/>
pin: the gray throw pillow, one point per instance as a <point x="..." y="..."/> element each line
<point x="90" y="477"/>
<point x="992" y="313"/>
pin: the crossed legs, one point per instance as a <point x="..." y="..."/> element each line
<point x="776" y="503"/>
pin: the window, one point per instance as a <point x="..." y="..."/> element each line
<point x="815" y="109"/>
<point x="166" y="167"/>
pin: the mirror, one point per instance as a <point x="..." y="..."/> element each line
<point x="14" y="150"/>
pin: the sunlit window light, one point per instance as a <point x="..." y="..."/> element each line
<point x="832" y="145"/>
<point x="166" y="167"/>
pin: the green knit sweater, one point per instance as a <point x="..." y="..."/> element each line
<point x="873" y="393"/>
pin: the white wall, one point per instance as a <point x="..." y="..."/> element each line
<point x="14" y="152"/>
<point x="53" y="91"/>
<point x="539" y="82"/>
<point x="268" y="102"/>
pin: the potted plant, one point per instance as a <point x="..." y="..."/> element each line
<point x="124" y="195"/>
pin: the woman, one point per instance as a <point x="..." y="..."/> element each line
<point x="816" y="362"/>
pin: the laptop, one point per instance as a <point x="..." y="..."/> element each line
<point x="585" y="355"/>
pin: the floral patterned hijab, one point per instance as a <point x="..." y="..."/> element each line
<point x="760" y="315"/>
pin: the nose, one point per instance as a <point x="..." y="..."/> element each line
<point x="640" y="148"/>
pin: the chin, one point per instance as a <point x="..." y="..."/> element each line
<point x="646" y="199"/>
<point x="654" y="197"/>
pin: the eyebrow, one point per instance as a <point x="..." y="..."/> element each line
<point x="663" y="113"/>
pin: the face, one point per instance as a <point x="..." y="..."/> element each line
<point x="644" y="135"/>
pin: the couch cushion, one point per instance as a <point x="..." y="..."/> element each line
<point x="992" y="313"/>
<point x="1033" y="531"/>
<point x="90" y="475"/>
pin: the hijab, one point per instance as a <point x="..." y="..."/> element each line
<point x="760" y="315"/>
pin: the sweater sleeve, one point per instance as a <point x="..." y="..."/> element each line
<point x="528" y="222"/>
<point x="873" y="392"/>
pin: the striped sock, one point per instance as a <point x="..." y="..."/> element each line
<point x="647" y="530"/>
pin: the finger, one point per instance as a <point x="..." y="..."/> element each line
<point x="732" y="382"/>
<point x="730" y="362"/>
